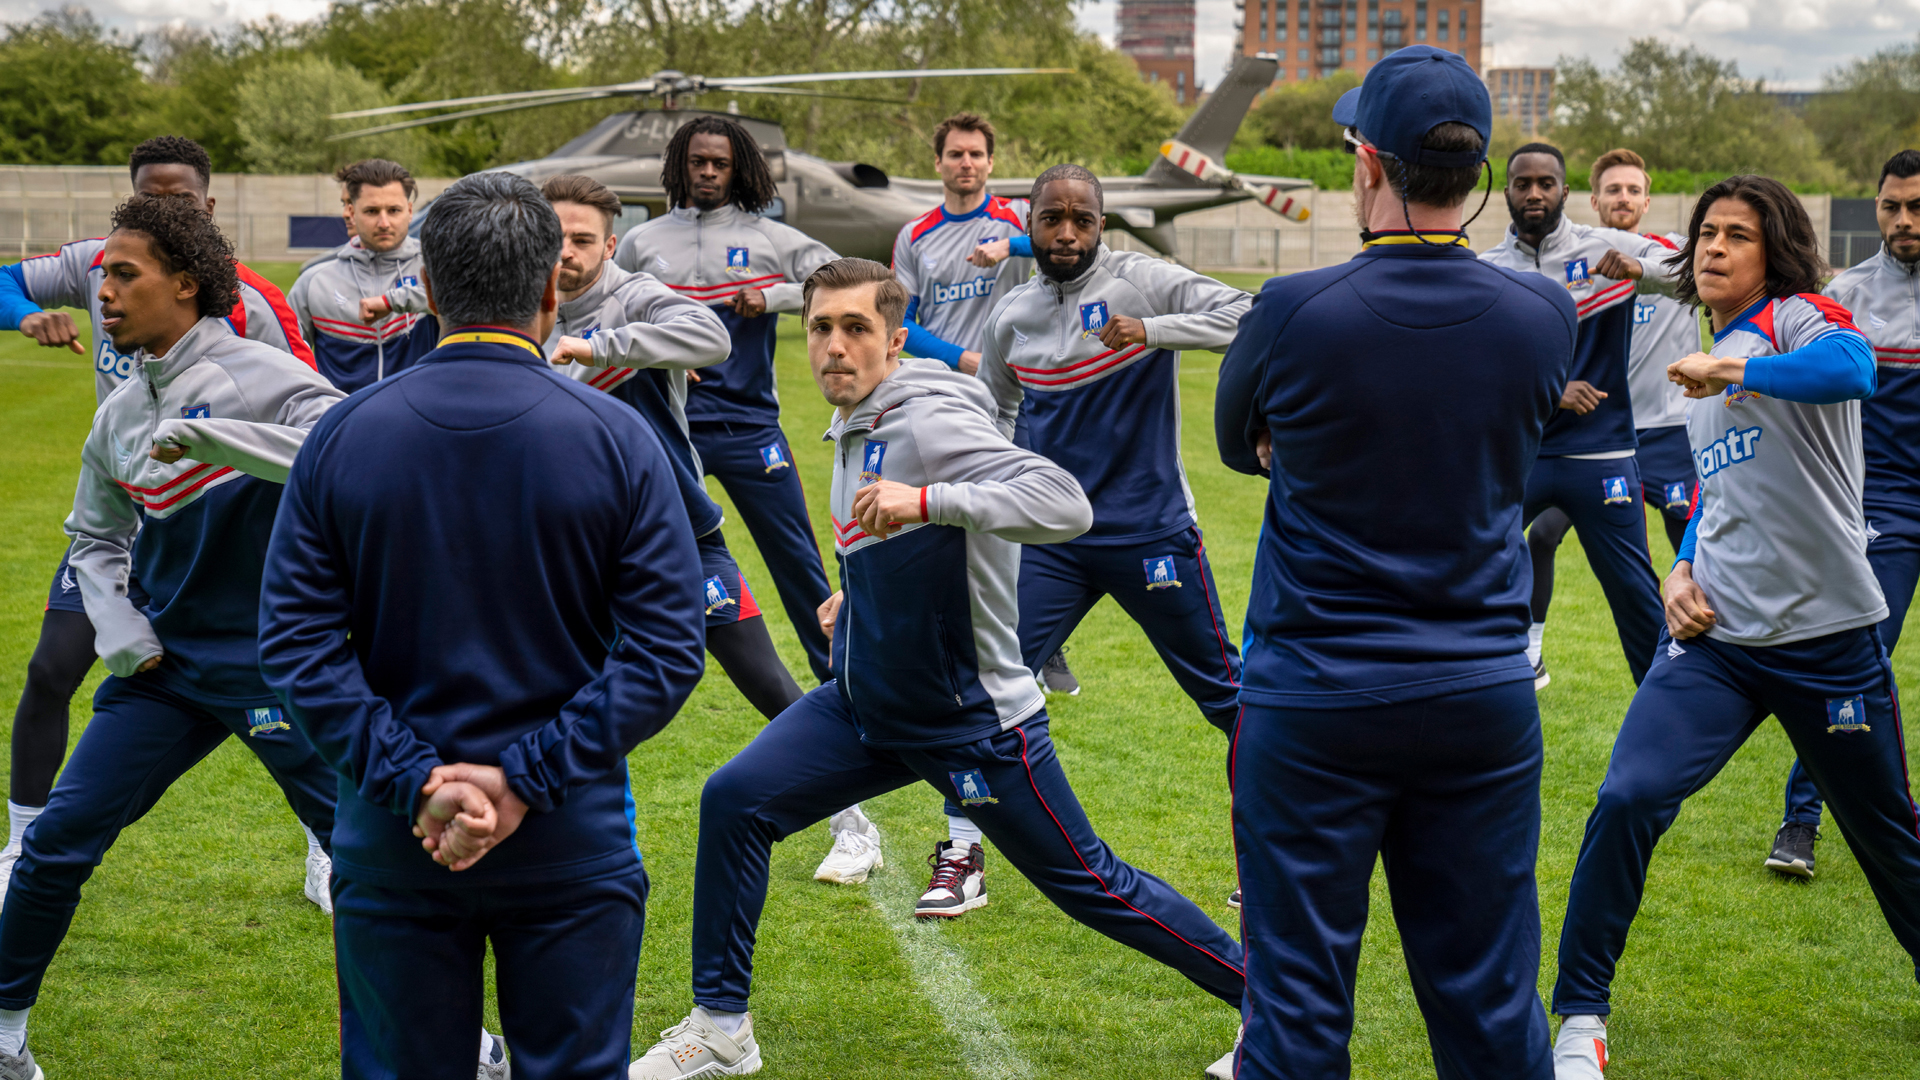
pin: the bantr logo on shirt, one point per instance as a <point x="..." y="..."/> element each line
<point x="716" y="593"/>
<point x="870" y="461"/>
<point x="1732" y="448"/>
<point x="1847" y="714"/>
<point x="1614" y="492"/>
<point x="1642" y="312"/>
<point x="1162" y="573"/>
<point x="966" y="290"/>
<point x="774" y="457"/>
<point x="738" y="261"/>
<point x="118" y="365"/>
<point x="261" y="721"/>
<point x="1577" y="276"/>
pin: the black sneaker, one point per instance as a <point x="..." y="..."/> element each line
<point x="1793" y="850"/>
<point x="959" y="882"/>
<point x="1056" y="676"/>
<point x="1234" y="900"/>
<point x="1540" y="676"/>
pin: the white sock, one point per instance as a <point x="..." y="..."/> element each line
<point x="313" y="845"/>
<point x="18" y="818"/>
<point x="13" y="1030"/>
<point x="963" y="831"/>
<point x="1536" y="635"/>
<point x="1586" y="1023"/>
<point x="486" y="1042"/>
<point x="727" y="1022"/>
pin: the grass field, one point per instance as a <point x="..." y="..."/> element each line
<point x="194" y="954"/>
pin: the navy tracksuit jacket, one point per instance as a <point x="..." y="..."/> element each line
<point x="498" y="602"/>
<point x="1386" y="705"/>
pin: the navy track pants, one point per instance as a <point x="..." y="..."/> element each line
<point x="1894" y="554"/>
<point x="774" y="509"/>
<point x="1836" y="698"/>
<point x="142" y="738"/>
<point x="1446" y="792"/>
<point x="1602" y="499"/>
<point x="810" y="762"/>
<point x="413" y="981"/>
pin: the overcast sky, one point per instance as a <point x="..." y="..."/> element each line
<point x="1788" y="41"/>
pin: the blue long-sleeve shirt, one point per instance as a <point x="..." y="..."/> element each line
<point x="1406" y="391"/>
<point x="15" y="302"/>
<point x="924" y="342"/>
<point x="479" y="560"/>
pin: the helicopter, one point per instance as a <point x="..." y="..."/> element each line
<point x="852" y="207"/>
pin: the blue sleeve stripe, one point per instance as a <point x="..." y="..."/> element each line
<point x="1834" y="367"/>
<point x="1691" y="540"/>
<point x="15" y="302"/>
<point x="1021" y="247"/>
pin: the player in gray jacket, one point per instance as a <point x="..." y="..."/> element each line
<point x="931" y="507"/>
<point x="375" y="273"/>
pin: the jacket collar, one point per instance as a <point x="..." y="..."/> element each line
<point x="727" y="214"/>
<point x="1559" y="236"/>
<point x="354" y="251"/>
<point x="915" y="377"/>
<point x="1064" y="289"/>
<point x="186" y="352"/>
<point x="1891" y="265"/>
<point x="488" y="343"/>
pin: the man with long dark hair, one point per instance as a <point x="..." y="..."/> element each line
<point x="1880" y="294"/>
<point x="1771" y="607"/>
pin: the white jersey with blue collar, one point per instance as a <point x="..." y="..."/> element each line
<point x="949" y="298"/>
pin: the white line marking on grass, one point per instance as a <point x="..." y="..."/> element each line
<point x="43" y="363"/>
<point x="944" y="978"/>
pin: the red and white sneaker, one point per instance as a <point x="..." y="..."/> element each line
<point x="959" y="882"/>
<point x="1580" y="1052"/>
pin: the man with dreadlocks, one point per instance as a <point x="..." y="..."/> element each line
<point x="1587" y="467"/>
<point x="1088" y="352"/>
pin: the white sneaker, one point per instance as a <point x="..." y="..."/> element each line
<point x="319" y="879"/>
<point x="493" y="1060"/>
<point x="856" y="849"/>
<point x="1580" y="1052"/>
<point x="1223" y="1069"/>
<point x="20" y="1066"/>
<point x="696" y="1047"/>
<point x="8" y="857"/>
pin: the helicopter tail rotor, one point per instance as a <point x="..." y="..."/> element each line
<point x="1205" y="169"/>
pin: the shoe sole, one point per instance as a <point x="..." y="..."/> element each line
<point x="823" y="874"/>
<point x="1232" y="903"/>
<point x="1790" y="868"/>
<point x="1541" y="680"/>
<point x="746" y="1066"/>
<point x="951" y="912"/>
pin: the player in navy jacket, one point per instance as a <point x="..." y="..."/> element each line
<point x="1387" y="706"/>
<point x="931" y="504"/>
<point x="497" y="624"/>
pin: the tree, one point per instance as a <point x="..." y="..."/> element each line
<point x="1682" y="109"/>
<point x="70" y="93"/>
<point x="282" y="117"/>
<point x="1870" y="112"/>
<point x="1299" y="116"/>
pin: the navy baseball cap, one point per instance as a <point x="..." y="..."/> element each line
<point x="1411" y="92"/>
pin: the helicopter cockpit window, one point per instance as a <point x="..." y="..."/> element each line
<point x="777" y="209"/>
<point x="631" y="214"/>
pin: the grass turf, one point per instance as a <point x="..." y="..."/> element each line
<point x="194" y="954"/>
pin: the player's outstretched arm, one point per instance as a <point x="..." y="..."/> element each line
<point x="103" y="525"/>
<point x="656" y="659"/>
<point x="1239" y="413"/>
<point x="306" y="659"/>
<point x="986" y="484"/>
<point x="262" y="449"/>
<point x="800" y="256"/>
<point x="667" y="331"/>
<point x="1190" y="309"/>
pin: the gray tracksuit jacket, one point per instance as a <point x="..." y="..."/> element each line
<point x="1110" y="416"/>
<point x="327" y="296"/>
<point x="925" y="645"/>
<point x="1883" y="294"/>
<point x="645" y="339"/>
<point x="243" y="409"/>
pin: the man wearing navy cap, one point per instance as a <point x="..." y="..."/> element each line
<point x="1387" y="702"/>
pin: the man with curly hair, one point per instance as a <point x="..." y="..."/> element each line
<point x="32" y="293"/>
<point x="180" y="479"/>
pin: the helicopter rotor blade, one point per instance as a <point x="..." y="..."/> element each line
<point x="589" y="95"/>
<point x="742" y="82"/>
<point x="643" y="86"/>
<point x="808" y="93"/>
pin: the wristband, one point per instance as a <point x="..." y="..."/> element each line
<point x="923" y="504"/>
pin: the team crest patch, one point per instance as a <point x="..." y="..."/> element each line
<point x="196" y="412"/>
<point x="1577" y="275"/>
<point x="716" y="594"/>
<point x="739" y="261"/>
<point x="407" y="282"/>
<point x="774" y="457"/>
<point x="1613" y="491"/>
<point x="870" y="461"/>
<point x="261" y="721"/>
<point x="1677" y="496"/>
<point x="1161" y="572"/>
<point x="929" y="263"/>
<point x="1737" y="394"/>
<point x="1093" y="318"/>
<point x="1847" y="714"/>
<point x="971" y="787"/>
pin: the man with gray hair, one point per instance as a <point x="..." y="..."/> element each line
<point x="478" y="697"/>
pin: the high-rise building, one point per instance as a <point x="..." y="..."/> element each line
<point x="1158" y="34"/>
<point x="1523" y="94"/>
<point x="1315" y="38"/>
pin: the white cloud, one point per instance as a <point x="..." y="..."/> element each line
<point x="1719" y="16"/>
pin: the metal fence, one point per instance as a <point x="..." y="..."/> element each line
<point x="1848" y="248"/>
